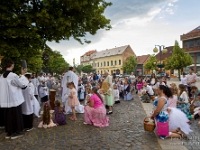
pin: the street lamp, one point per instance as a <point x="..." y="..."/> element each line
<point x="162" y="49"/>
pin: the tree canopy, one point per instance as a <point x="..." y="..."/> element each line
<point x="179" y="59"/>
<point x="87" y="69"/>
<point x="26" y="25"/>
<point x="151" y="63"/>
<point x="130" y="64"/>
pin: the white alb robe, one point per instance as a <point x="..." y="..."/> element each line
<point x="70" y="76"/>
<point x="11" y="90"/>
<point x="36" y="83"/>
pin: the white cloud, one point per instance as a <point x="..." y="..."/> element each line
<point x="169" y="10"/>
<point x="170" y="5"/>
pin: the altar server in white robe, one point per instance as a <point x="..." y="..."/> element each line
<point x="70" y="76"/>
<point x="28" y="105"/>
<point x="36" y="83"/>
<point x="11" y="98"/>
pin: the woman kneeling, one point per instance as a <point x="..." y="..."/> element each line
<point x="95" y="112"/>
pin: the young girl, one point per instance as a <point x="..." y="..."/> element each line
<point x="73" y="99"/>
<point x="139" y="85"/>
<point x="88" y="94"/>
<point x="172" y="101"/>
<point x="121" y="89"/>
<point x="127" y="91"/>
<point x="116" y="94"/>
<point x="109" y="98"/>
<point x="43" y="93"/>
<point x="81" y="91"/>
<point x="60" y="117"/>
<point x="47" y="121"/>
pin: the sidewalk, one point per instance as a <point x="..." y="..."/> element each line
<point x="167" y="144"/>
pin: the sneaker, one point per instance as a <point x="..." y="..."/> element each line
<point x="8" y="136"/>
<point x="29" y="129"/>
<point x="16" y="135"/>
<point x="85" y="123"/>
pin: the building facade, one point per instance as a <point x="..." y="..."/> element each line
<point x="111" y="60"/>
<point x="140" y="66"/>
<point x="191" y="43"/>
<point x="162" y="56"/>
<point x="86" y="58"/>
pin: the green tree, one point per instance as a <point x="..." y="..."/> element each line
<point x="179" y="59"/>
<point x="78" y="68"/>
<point x="87" y="69"/>
<point x="26" y="25"/>
<point x="151" y="63"/>
<point x="130" y="64"/>
<point x="56" y="63"/>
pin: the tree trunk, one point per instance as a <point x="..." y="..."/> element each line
<point x="179" y="77"/>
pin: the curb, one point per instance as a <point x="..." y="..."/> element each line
<point x="167" y="144"/>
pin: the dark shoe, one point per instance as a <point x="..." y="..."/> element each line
<point x="110" y="112"/>
<point x="16" y="135"/>
<point x="196" y="116"/>
<point x="29" y="129"/>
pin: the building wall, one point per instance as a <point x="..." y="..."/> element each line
<point x="128" y="52"/>
<point x="112" y="63"/>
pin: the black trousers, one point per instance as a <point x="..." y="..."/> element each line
<point x="28" y="121"/>
<point x="189" y="91"/>
<point x="14" y="120"/>
<point x="2" y="117"/>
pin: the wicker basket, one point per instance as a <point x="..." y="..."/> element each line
<point x="148" y="127"/>
<point x="191" y="109"/>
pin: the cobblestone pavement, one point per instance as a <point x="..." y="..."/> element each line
<point x="125" y="132"/>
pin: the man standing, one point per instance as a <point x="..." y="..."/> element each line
<point x="191" y="80"/>
<point x="70" y="76"/>
<point x="36" y="83"/>
<point x="11" y="99"/>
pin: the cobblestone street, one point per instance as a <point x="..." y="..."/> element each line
<point x="125" y="132"/>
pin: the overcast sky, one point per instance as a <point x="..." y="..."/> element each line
<point x="139" y="23"/>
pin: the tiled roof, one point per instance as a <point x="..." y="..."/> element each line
<point x="197" y="29"/>
<point x="142" y="59"/>
<point x="89" y="53"/>
<point x="110" y="52"/>
<point x="165" y="55"/>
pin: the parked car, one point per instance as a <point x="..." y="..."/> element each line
<point x="163" y="74"/>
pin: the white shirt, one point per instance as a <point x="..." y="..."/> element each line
<point x="116" y="94"/>
<point x="149" y="90"/>
<point x="184" y="96"/>
<point x="190" y="78"/>
<point x="41" y="79"/>
<point x="157" y="85"/>
<point x="183" y="80"/>
<point x="153" y="80"/>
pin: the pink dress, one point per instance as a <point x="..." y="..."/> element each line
<point x="72" y="102"/>
<point x="51" y="124"/>
<point x="96" y="115"/>
<point x="172" y="101"/>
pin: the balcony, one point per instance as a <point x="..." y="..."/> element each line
<point x="193" y="49"/>
<point x="190" y="36"/>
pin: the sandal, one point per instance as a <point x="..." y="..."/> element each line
<point x="182" y="134"/>
<point x="72" y="118"/>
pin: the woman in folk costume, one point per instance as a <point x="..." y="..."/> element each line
<point x="127" y="91"/>
<point x="183" y="103"/>
<point x="28" y="105"/>
<point x="11" y="98"/>
<point x="81" y="91"/>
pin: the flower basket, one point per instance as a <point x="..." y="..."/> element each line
<point x="149" y="125"/>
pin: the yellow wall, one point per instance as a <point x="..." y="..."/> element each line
<point x="110" y="68"/>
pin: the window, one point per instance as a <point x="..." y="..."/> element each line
<point x="111" y="63"/>
<point x="101" y="64"/>
<point x="104" y="63"/>
<point x="107" y="63"/>
<point x="198" y="58"/>
<point x="119" y="62"/>
<point x="115" y="62"/>
<point x="98" y="64"/>
<point x="170" y="52"/>
<point x="198" y="42"/>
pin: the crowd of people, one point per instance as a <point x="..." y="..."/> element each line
<point x="27" y="96"/>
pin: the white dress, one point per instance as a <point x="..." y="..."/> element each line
<point x="70" y="76"/>
<point x="178" y="119"/>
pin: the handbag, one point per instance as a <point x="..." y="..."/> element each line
<point x="162" y="128"/>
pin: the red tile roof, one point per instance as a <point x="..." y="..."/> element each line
<point x="89" y="53"/>
<point x="142" y="59"/>
<point x="165" y="55"/>
<point x="197" y="29"/>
